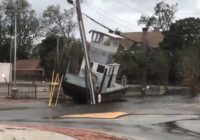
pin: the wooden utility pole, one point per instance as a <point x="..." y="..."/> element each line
<point x="86" y="55"/>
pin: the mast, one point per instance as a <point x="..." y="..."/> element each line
<point x="86" y="56"/>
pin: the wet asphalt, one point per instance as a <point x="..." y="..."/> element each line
<point x="150" y="118"/>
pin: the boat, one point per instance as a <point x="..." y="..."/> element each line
<point x="96" y="80"/>
<point x="102" y="50"/>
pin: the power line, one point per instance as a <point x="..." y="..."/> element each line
<point x="112" y="17"/>
<point x="144" y="6"/>
<point x="127" y="6"/>
<point x="105" y="17"/>
<point x="109" y="18"/>
<point x="107" y="13"/>
<point x="97" y="22"/>
<point x="116" y="32"/>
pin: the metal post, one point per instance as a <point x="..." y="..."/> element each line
<point x="35" y="91"/>
<point x="83" y="37"/>
<point x="15" y="48"/>
<point x="58" y="63"/>
<point x="145" y="48"/>
<point x="15" y="89"/>
<point x="11" y="66"/>
<point x="8" y="88"/>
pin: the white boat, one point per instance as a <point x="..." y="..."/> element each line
<point x="103" y="48"/>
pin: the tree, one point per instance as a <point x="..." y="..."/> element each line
<point x="59" y="22"/>
<point x="162" y="18"/>
<point x="27" y="24"/>
<point x="189" y="66"/>
<point x="47" y="51"/>
<point x="75" y="53"/>
<point x="56" y="24"/>
<point x="128" y="66"/>
<point x="164" y="15"/>
<point x="163" y="66"/>
<point x="182" y="34"/>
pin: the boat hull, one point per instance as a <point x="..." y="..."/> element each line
<point x="81" y="94"/>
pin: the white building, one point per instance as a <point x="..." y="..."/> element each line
<point x="5" y="72"/>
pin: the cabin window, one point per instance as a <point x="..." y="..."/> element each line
<point x="100" y="68"/>
<point x="96" y="37"/>
<point x="110" y="70"/>
<point x="106" y="41"/>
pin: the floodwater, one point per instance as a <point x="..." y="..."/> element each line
<point x="150" y="118"/>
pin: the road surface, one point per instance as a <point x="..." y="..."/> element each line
<point x="149" y="118"/>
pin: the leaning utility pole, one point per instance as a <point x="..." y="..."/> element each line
<point x="86" y="55"/>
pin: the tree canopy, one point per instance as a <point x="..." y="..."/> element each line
<point x="163" y="16"/>
<point x="180" y="43"/>
<point x="28" y="26"/>
<point x="58" y="22"/>
<point x="48" y="54"/>
<point x="182" y="33"/>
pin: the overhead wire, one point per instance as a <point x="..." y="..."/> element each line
<point x="108" y="18"/>
<point x="103" y="13"/>
<point x="107" y="13"/>
<point x="110" y="22"/>
<point x="144" y="6"/>
<point x="127" y="6"/>
<point x="116" y="32"/>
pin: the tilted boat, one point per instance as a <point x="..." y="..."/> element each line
<point x="103" y="48"/>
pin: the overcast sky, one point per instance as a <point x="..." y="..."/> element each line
<point x="121" y="14"/>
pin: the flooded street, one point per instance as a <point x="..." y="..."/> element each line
<point x="149" y="118"/>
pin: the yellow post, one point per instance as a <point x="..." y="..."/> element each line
<point x="53" y="88"/>
<point x="58" y="93"/>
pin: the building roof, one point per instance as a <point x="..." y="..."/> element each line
<point x="28" y="64"/>
<point x="153" y="39"/>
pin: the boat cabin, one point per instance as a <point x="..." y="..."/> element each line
<point x="102" y="50"/>
<point x="103" y="47"/>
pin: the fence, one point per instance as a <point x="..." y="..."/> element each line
<point x="25" y="90"/>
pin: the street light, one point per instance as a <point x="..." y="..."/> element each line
<point x="15" y="48"/>
<point x="15" y="89"/>
<point x="4" y="77"/>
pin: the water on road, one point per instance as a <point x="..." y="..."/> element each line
<point x="150" y="118"/>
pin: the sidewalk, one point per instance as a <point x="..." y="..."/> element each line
<point x="18" y="133"/>
<point x="45" y="132"/>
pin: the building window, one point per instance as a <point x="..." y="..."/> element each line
<point x="100" y="69"/>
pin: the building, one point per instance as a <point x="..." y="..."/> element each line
<point x="5" y="72"/>
<point x="153" y="39"/>
<point x="29" y="69"/>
